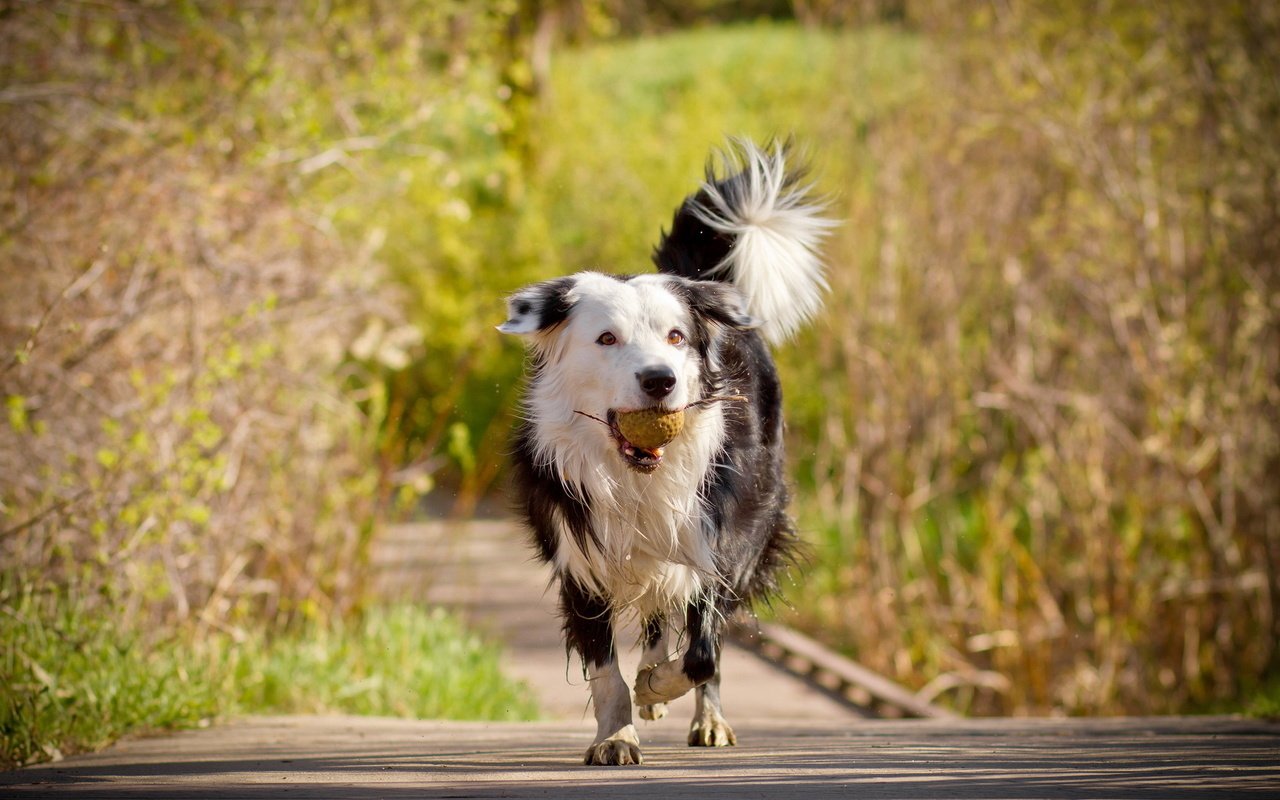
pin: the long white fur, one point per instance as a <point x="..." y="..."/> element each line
<point x="650" y="550"/>
<point x="778" y="230"/>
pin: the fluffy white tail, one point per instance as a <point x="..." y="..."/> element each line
<point x="777" y="228"/>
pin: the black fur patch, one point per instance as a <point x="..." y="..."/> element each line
<point x="541" y="497"/>
<point x="702" y="627"/>
<point x="691" y="249"/>
<point x="588" y="625"/>
<point x="716" y="302"/>
<point x="651" y="631"/>
<point x="554" y="305"/>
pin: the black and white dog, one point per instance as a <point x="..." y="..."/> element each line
<point x="678" y="536"/>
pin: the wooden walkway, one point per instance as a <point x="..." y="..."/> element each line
<point x="485" y="570"/>
<point x="795" y="740"/>
<point x="357" y="758"/>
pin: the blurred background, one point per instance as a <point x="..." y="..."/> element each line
<point x="252" y="254"/>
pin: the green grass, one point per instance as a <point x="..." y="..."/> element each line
<point x="1264" y="702"/>
<point x="628" y="126"/>
<point x="70" y="680"/>
<point x="400" y="661"/>
<point x="74" y="680"/>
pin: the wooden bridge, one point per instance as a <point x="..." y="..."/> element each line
<point x="806" y="721"/>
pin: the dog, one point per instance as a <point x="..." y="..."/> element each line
<point x="683" y="535"/>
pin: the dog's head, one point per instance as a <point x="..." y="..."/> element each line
<point x="603" y="344"/>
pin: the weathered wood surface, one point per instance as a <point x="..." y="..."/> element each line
<point x="794" y="741"/>
<point x="345" y="757"/>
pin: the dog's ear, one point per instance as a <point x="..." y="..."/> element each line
<point x="538" y="307"/>
<point x="720" y="303"/>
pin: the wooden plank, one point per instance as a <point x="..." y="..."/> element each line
<point x="793" y="644"/>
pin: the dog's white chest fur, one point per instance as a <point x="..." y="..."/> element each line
<point x="651" y="549"/>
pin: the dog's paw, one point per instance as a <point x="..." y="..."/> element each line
<point x="620" y="749"/>
<point x="653" y="711"/>
<point x="660" y="683"/>
<point x="711" y="731"/>
<point x="646" y="693"/>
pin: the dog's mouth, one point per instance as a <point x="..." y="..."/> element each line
<point x="641" y="459"/>
<point x="647" y="459"/>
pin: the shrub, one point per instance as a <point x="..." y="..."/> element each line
<point x="197" y="329"/>
<point x="216" y="214"/>
<point x="1045" y="471"/>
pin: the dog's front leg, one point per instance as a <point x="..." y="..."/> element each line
<point x="654" y="653"/>
<point x="588" y="629"/>
<point x="616" y="739"/>
<point x="664" y="682"/>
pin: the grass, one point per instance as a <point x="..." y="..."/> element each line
<point x="1265" y="703"/>
<point x="75" y="680"/>
<point x="71" y="681"/>
<point x="629" y="124"/>
<point x="401" y="661"/>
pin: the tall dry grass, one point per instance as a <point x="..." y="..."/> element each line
<point x="177" y="442"/>
<point x="1045" y="470"/>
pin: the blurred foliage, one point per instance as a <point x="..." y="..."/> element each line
<point x="1265" y="702"/>
<point x="214" y="214"/>
<point x="1043" y="465"/>
<point x="252" y="254"/>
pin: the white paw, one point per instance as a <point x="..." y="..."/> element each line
<point x="711" y="731"/>
<point x="620" y="749"/>
<point x="653" y="711"/>
<point x="661" y="683"/>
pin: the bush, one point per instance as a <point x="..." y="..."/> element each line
<point x="1045" y="474"/>
<point x="217" y="213"/>
<point x="172" y="323"/>
<point x="198" y="325"/>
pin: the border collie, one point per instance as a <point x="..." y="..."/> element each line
<point x="677" y="536"/>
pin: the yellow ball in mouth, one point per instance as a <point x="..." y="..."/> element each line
<point x="650" y="428"/>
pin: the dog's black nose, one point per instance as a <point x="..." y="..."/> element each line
<point x="657" y="382"/>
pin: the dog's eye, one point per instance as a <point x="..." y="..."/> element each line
<point x="607" y="339"/>
<point x="675" y="338"/>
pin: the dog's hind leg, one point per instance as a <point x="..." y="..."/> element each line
<point x="588" y="628"/>
<point x="709" y="728"/>
<point x="655" y="652"/>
